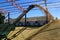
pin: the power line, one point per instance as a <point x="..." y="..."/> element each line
<point x="21" y="3"/>
<point x="15" y="11"/>
<point x="24" y="6"/>
<point x="27" y="5"/>
<point x="6" y="2"/>
<point x="34" y="9"/>
<point x="32" y="2"/>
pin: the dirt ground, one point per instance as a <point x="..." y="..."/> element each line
<point x="51" y="32"/>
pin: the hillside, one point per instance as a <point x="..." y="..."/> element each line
<point x="49" y="31"/>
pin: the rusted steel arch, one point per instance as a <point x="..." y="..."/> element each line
<point x="50" y="17"/>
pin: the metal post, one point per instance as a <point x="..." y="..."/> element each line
<point x="8" y="18"/>
<point x="25" y="20"/>
<point x="46" y="13"/>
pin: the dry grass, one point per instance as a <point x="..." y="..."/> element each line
<point x="50" y="33"/>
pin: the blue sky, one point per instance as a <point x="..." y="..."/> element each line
<point x="53" y="8"/>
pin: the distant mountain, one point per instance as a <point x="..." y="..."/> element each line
<point x="41" y="18"/>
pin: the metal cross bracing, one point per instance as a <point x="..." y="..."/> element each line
<point x="8" y="6"/>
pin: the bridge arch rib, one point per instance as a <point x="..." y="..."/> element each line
<point x="50" y="17"/>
